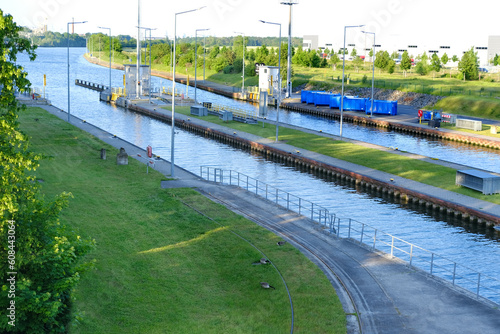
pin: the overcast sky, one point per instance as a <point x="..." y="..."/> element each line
<point x="395" y="22"/>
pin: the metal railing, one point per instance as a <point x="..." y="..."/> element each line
<point x="246" y="116"/>
<point x="417" y="257"/>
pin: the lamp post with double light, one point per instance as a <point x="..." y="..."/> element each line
<point x="279" y="78"/>
<point x="373" y="70"/>
<point x="109" y="56"/>
<point x="69" y="98"/>
<point x="195" y="60"/>
<point x="243" y="71"/>
<point x="343" y="70"/>
<point x="172" y="139"/>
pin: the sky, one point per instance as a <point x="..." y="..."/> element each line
<point x="396" y="23"/>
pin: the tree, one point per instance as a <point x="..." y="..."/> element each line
<point x="454" y="58"/>
<point x="435" y="63"/>
<point x="394" y="55"/>
<point x="422" y="66"/>
<point x="334" y="60"/>
<point x="39" y="255"/>
<point x="496" y="60"/>
<point x="354" y="53"/>
<point x="445" y="59"/>
<point x="468" y="66"/>
<point x="261" y="54"/>
<point x="405" y="62"/>
<point x="391" y="65"/>
<point x="382" y="59"/>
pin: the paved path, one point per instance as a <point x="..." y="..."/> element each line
<point x="388" y="296"/>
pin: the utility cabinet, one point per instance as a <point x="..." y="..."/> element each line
<point x="484" y="182"/>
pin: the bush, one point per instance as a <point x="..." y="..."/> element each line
<point x="228" y="69"/>
<point x="365" y="79"/>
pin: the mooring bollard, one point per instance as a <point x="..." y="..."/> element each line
<point x="103" y="153"/>
<point x="122" y="157"/>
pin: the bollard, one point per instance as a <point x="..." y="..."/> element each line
<point x="103" y="153"/>
<point x="122" y="157"/>
<point x="493" y="129"/>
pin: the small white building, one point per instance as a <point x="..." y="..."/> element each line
<point x="269" y="79"/>
<point x="131" y="81"/>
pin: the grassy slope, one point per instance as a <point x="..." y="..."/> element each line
<point x="413" y="169"/>
<point x="162" y="267"/>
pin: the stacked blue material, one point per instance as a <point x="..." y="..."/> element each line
<point x="381" y="107"/>
<point x="321" y="99"/>
<point x="351" y="103"/>
<point x="354" y="103"/>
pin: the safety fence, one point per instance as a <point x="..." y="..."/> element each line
<point x="414" y="256"/>
<point x="238" y="114"/>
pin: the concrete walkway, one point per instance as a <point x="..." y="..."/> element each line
<point x="387" y="296"/>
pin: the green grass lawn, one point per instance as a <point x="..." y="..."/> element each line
<point x="409" y="168"/>
<point x="160" y="266"/>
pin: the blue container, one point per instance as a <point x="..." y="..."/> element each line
<point x="354" y="103"/>
<point x="321" y="99"/>
<point x="381" y="107"/>
<point x="310" y="96"/>
<point x="335" y="101"/>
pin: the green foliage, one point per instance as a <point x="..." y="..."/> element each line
<point x="57" y="39"/>
<point x="391" y="66"/>
<point x="261" y="54"/>
<point x="405" y="62"/>
<point x="364" y="80"/>
<point x="334" y="60"/>
<point x="435" y="63"/>
<point x="496" y="60"/>
<point x="454" y="58"/>
<point x="394" y="55"/>
<point x="421" y="68"/>
<point x="45" y="256"/>
<point x="382" y="59"/>
<point x="445" y="59"/>
<point x="469" y="65"/>
<point x="354" y="53"/>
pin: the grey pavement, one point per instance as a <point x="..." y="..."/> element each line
<point x="387" y="296"/>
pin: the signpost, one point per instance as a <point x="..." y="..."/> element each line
<point x="420" y="114"/>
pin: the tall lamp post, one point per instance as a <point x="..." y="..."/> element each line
<point x="69" y="103"/>
<point x="343" y="70"/>
<point x="109" y="56"/>
<point x="146" y="29"/>
<point x="373" y="70"/>
<point x="289" y="63"/>
<point x="173" y="92"/>
<point x="243" y="76"/>
<point x="279" y="79"/>
<point x="196" y="58"/>
<point x="204" y="54"/>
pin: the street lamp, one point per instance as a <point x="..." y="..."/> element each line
<point x="204" y="54"/>
<point x="69" y="103"/>
<point x="279" y="79"/>
<point x="343" y="69"/>
<point x="109" y="56"/>
<point x="173" y="92"/>
<point x="373" y="71"/>
<point x="149" y="57"/>
<point x="196" y="58"/>
<point x="243" y="81"/>
<point x="289" y="62"/>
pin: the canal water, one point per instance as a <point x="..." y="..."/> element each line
<point x="477" y="249"/>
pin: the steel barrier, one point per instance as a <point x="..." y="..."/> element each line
<point x="415" y="257"/>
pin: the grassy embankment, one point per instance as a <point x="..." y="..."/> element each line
<point x="479" y="98"/>
<point x="161" y="267"/>
<point x="409" y="168"/>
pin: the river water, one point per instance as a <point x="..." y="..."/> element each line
<point x="477" y="250"/>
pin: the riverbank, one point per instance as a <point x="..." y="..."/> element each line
<point x="388" y="296"/>
<point x="157" y="245"/>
